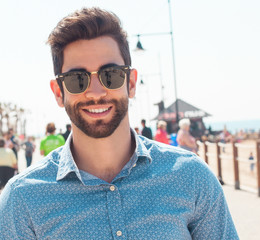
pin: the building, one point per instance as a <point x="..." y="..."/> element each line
<point x="185" y="110"/>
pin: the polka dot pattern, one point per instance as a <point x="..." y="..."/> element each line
<point x="162" y="193"/>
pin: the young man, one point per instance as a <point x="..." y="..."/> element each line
<point x="107" y="182"/>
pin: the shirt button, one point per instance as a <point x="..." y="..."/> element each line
<point x="134" y="165"/>
<point x="112" y="188"/>
<point x="119" y="233"/>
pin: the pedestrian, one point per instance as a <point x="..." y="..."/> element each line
<point x="146" y="131"/>
<point x="107" y="182"/>
<point x="67" y="133"/>
<point x="51" y="141"/>
<point x="161" y="134"/>
<point x="137" y="130"/>
<point x="29" y="148"/>
<point x="8" y="142"/>
<point x="184" y="138"/>
<point x="8" y="164"/>
<point x="225" y="137"/>
<point x="252" y="164"/>
<point x="15" y="142"/>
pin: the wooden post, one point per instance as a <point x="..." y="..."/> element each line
<point x="206" y="152"/>
<point x="258" y="166"/>
<point x="236" y="168"/>
<point x="219" y="164"/>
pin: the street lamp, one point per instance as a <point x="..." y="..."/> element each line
<point x="140" y="47"/>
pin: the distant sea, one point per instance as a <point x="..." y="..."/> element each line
<point x="235" y="126"/>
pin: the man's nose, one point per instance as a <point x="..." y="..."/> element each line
<point x="95" y="90"/>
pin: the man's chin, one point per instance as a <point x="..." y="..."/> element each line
<point x="98" y="130"/>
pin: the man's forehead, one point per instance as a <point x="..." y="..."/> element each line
<point x="91" y="54"/>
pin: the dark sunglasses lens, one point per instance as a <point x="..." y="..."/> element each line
<point x="76" y="82"/>
<point x="112" y="78"/>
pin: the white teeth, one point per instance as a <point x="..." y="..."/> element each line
<point x="100" y="110"/>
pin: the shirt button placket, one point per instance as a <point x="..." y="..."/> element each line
<point x="115" y="212"/>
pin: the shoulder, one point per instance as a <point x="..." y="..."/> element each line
<point x="174" y="160"/>
<point x="44" y="139"/>
<point x="60" y="136"/>
<point x="8" y="150"/>
<point x="40" y="173"/>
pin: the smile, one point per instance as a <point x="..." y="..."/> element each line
<point x="99" y="110"/>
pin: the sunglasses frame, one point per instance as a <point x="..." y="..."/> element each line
<point x="60" y="77"/>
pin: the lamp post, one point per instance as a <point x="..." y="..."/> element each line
<point x="140" y="47"/>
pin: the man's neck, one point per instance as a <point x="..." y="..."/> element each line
<point x="104" y="157"/>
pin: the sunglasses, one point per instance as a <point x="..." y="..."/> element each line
<point x="111" y="78"/>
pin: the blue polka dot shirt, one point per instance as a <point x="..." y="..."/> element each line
<point x="162" y="193"/>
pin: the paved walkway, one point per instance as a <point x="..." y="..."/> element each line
<point x="244" y="206"/>
<point x="245" y="210"/>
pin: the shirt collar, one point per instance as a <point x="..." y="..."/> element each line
<point x="67" y="164"/>
<point x="142" y="149"/>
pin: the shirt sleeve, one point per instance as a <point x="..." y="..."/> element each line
<point x="15" y="223"/>
<point x="212" y="219"/>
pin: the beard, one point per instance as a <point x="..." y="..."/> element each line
<point x="99" y="128"/>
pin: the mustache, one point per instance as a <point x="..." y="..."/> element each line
<point x="92" y="102"/>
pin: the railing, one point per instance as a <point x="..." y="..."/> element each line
<point x="228" y="162"/>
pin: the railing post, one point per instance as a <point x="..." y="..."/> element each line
<point x="219" y="164"/>
<point x="258" y="166"/>
<point x="236" y="168"/>
<point x="206" y="152"/>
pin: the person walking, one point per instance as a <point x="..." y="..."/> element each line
<point x="15" y="142"/>
<point x="107" y="182"/>
<point x="146" y="131"/>
<point x="67" y="133"/>
<point x="51" y="141"/>
<point x="29" y="148"/>
<point x="184" y="138"/>
<point x="8" y="163"/>
<point x="161" y="134"/>
<point x="252" y="164"/>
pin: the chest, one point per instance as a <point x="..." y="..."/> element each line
<point x="111" y="212"/>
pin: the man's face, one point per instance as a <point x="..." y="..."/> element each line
<point x="98" y="111"/>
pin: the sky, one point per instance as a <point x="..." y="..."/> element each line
<point x="216" y="53"/>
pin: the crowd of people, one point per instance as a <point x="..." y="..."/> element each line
<point x="51" y="141"/>
<point x="10" y="146"/>
<point x="182" y="138"/>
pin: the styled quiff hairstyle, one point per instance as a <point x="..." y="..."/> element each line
<point x="87" y="23"/>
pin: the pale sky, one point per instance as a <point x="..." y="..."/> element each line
<point x="216" y="48"/>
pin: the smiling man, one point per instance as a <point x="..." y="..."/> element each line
<point x="106" y="182"/>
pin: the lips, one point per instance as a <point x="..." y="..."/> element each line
<point x="97" y="112"/>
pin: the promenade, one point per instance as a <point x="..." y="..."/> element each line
<point x="245" y="210"/>
<point x="244" y="205"/>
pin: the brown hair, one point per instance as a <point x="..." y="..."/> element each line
<point x="50" y="128"/>
<point x="87" y="23"/>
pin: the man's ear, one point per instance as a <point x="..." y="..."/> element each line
<point x="57" y="92"/>
<point x="132" y="83"/>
